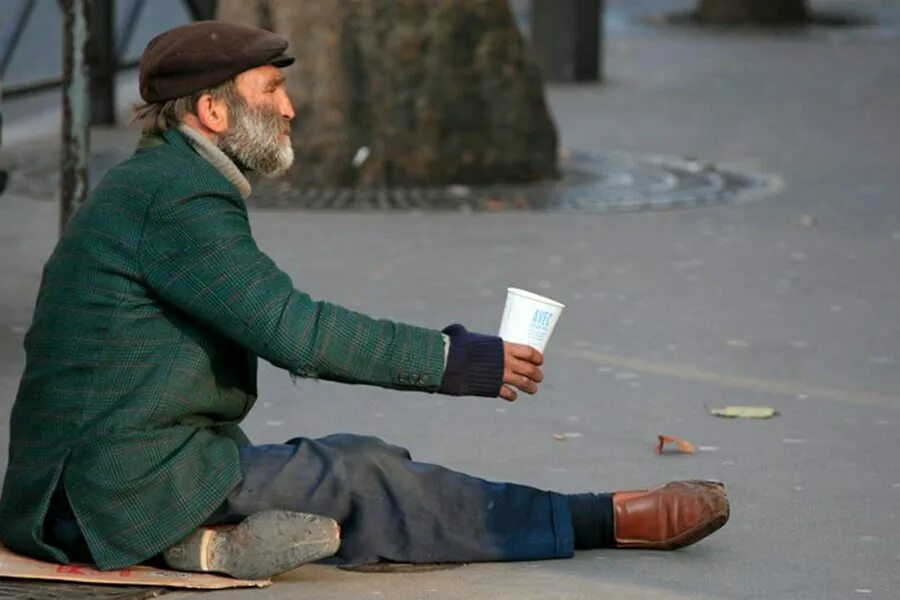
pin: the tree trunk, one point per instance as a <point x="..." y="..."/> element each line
<point x="247" y="12"/>
<point x="412" y="92"/>
<point x="752" y="12"/>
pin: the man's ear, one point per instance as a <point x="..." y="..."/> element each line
<point x="212" y="114"/>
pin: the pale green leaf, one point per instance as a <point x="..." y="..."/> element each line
<point x="744" y="412"/>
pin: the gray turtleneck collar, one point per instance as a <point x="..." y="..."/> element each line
<point x="216" y="158"/>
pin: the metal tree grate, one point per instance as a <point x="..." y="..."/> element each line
<point x="605" y="181"/>
<point x="591" y="182"/>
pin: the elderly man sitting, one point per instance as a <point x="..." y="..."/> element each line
<point x="142" y="356"/>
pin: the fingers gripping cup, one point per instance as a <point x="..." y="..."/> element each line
<point x="529" y="318"/>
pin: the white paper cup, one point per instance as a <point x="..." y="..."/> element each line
<point x="529" y="318"/>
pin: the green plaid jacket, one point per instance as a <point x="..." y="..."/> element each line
<point x="141" y="358"/>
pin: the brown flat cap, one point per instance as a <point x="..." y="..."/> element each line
<point x="203" y="54"/>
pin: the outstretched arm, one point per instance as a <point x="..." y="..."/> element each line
<point x="198" y="254"/>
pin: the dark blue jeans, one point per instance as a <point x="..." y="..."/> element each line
<point x="393" y="508"/>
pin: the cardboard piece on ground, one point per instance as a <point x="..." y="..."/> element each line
<point x="22" y="567"/>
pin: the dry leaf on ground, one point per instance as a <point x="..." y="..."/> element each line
<point x="678" y="445"/>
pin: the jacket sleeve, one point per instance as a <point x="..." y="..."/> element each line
<point x="197" y="254"/>
<point x="474" y="363"/>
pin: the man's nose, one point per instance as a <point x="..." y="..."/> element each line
<point x="287" y="109"/>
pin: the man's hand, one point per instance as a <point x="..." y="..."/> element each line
<point x="521" y="370"/>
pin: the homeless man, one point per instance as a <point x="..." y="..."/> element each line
<point x="141" y="363"/>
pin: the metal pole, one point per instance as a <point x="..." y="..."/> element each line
<point x="201" y="10"/>
<point x="568" y="38"/>
<point x="589" y="41"/>
<point x="3" y="175"/>
<point x="76" y="113"/>
<point x="102" y="61"/>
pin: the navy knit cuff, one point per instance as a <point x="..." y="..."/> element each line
<point x="474" y="364"/>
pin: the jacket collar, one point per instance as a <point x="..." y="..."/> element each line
<point x="186" y="139"/>
<point x="214" y="155"/>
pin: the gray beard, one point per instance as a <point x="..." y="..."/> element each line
<point x="253" y="141"/>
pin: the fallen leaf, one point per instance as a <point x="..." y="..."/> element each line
<point x="744" y="412"/>
<point x="680" y="446"/>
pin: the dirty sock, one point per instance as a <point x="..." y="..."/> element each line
<point x="592" y="520"/>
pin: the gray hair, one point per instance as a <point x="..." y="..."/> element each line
<point x="156" y="117"/>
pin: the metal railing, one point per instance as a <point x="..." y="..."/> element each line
<point x="107" y="47"/>
<point x="92" y="56"/>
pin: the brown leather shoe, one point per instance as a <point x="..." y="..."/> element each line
<point x="669" y="516"/>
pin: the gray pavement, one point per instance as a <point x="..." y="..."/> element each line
<point x="668" y="313"/>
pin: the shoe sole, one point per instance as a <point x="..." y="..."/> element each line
<point x="261" y="546"/>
